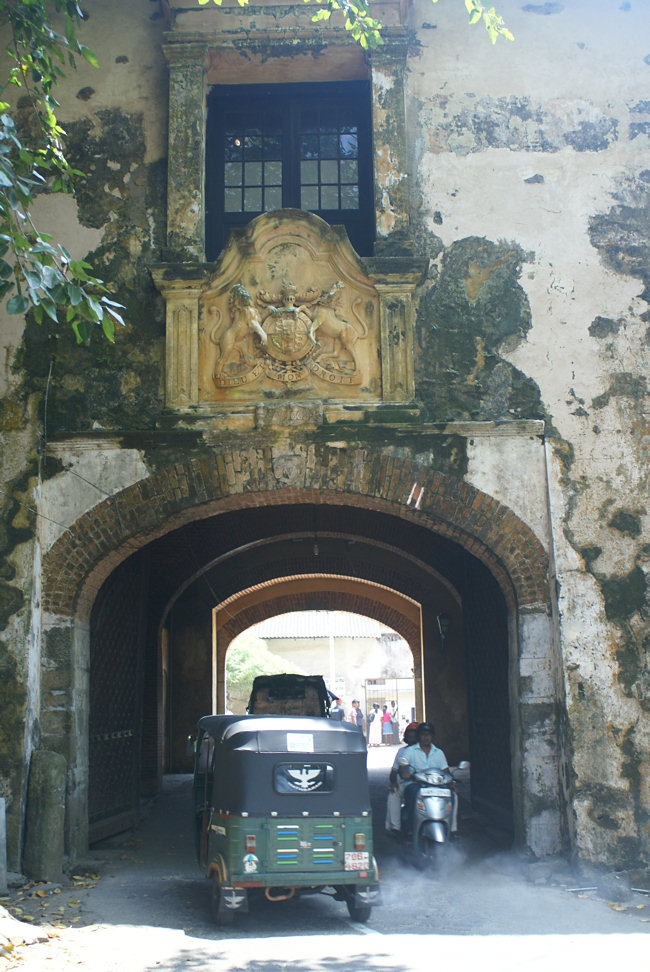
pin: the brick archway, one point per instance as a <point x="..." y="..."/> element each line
<point x="323" y="592"/>
<point x="372" y="482"/>
<point x="83" y="557"/>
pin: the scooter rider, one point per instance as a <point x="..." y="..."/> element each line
<point x="394" y="800"/>
<point x="417" y="759"/>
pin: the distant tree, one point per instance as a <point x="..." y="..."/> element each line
<point x="248" y="657"/>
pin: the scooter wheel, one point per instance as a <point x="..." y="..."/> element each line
<point x="429" y="849"/>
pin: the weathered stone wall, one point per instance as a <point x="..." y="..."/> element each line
<point x="528" y="194"/>
<point x="532" y="175"/>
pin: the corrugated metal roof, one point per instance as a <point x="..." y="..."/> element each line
<point x="320" y="624"/>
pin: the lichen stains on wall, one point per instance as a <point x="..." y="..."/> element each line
<point x="474" y="309"/>
<point x="17" y="526"/>
<point x="621" y="234"/>
<point x="104" y="385"/>
<point x="468" y="124"/>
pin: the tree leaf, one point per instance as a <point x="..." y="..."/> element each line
<point x="108" y="327"/>
<point x="17" y="304"/>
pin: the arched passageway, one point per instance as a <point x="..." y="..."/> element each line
<point x="459" y="553"/>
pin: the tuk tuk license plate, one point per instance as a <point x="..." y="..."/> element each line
<point x="357" y="860"/>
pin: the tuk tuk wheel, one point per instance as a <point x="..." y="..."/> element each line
<point x="221" y="916"/>
<point x="358" y="912"/>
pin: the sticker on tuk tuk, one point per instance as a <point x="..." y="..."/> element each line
<point x="357" y="860"/>
<point x="221" y="831"/>
<point x="300" y="742"/>
<point x="303" y="777"/>
<point x="251" y="863"/>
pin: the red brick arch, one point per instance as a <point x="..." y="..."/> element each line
<point x="79" y="562"/>
<point x="330" y="592"/>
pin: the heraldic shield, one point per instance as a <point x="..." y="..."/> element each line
<point x="289" y="308"/>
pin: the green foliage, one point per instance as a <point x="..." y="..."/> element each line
<point x="367" y="31"/>
<point x="248" y="657"/>
<point x="493" y="22"/>
<point x="35" y="271"/>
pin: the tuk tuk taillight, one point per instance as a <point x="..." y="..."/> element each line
<point x="251" y="843"/>
<point x="359" y="842"/>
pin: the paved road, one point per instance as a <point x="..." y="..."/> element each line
<point x="140" y="904"/>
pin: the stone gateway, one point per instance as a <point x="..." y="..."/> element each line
<point x="386" y="352"/>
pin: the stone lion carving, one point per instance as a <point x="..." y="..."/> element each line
<point x="326" y="323"/>
<point x="234" y="340"/>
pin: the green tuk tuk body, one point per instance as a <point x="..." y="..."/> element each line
<point x="282" y="808"/>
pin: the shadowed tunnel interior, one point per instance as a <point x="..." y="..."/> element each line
<point x="151" y="670"/>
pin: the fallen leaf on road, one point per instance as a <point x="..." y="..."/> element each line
<point x="617" y="906"/>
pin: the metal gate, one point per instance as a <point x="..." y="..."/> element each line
<point x="116" y="665"/>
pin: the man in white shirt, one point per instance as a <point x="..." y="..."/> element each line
<point x="421" y="757"/>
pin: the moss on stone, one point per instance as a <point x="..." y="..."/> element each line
<point x="624" y="595"/>
<point x="628" y="523"/>
<point x="475" y="308"/>
<point x="111" y="386"/>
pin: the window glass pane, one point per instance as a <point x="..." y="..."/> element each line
<point x="309" y="147"/>
<point x="309" y="123"/>
<point x="309" y="197"/>
<point x="349" y="171"/>
<point x="349" y="197"/>
<point x="233" y="174"/>
<point x="273" y="198"/>
<point x="233" y="146"/>
<point x="253" y="174"/>
<point x="272" y="146"/>
<point x="273" y="173"/>
<point x="253" y="146"/>
<point x="329" y="120"/>
<point x="329" y="172"/>
<point x="253" y="200"/>
<point x="329" y="147"/>
<point x="232" y="201"/>
<point x="308" y="173"/>
<point x="349" y="145"/>
<point x="329" y="197"/>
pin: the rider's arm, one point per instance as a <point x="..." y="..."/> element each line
<point x="404" y="769"/>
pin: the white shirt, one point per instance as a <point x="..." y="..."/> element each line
<point x="419" y="761"/>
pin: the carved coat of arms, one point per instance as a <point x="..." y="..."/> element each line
<point x="285" y="336"/>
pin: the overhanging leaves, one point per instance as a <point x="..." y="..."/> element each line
<point x="38" y="273"/>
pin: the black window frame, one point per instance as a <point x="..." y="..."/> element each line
<point x="287" y="102"/>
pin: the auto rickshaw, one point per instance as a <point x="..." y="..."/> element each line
<point x="282" y="808"/>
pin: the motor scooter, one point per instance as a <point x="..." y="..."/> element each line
<point x="433" y="815"/>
